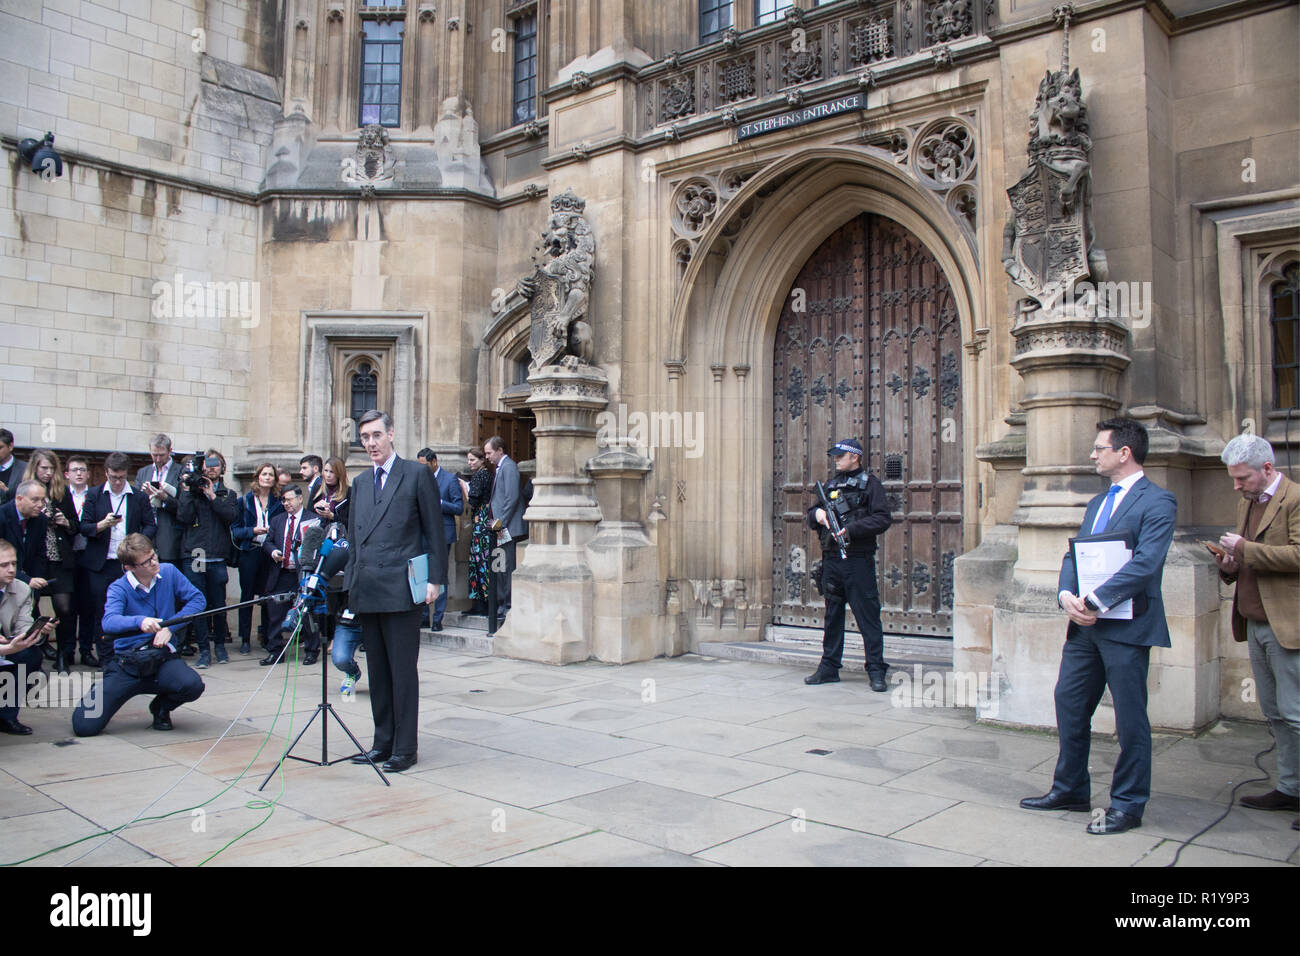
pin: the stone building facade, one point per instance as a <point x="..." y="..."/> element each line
<point x="273" y="212"/>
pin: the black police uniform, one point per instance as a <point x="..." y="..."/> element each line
<point x="863" y="509"/>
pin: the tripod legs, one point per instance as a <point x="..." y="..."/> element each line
<point x="324" y="707"/>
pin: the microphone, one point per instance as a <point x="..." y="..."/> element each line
<point x="334" y="557"/>
<point x="309" y="549"/>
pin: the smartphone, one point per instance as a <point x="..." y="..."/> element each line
<point x="1215" y="549"/>
<point x="40" y="623"/>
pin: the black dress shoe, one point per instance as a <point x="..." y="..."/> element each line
<point x="374" y="756"/>
<point x="822" y="677"/>
<point x="90" y="660"/>
<point x="64" y="664"/>
<point x="310" y="658"/>
<point x="399" y="762"/>
<point x="162" y="717"/>
<point x="270" y="658"/>
<point x="1115" y="821"/>
<point x="436" y="626"/>
<point x="878" y="682"/>
<point x="1055" y="801"/>
<point x="1273" y="800"/>
<point x="8" y="726"/>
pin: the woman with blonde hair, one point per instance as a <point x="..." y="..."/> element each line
<point x="60" y="532"/>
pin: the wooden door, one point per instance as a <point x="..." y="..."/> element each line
<point x="516" y="430"/>
<point x="868" y="347"/>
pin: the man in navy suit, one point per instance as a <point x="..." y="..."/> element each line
<point x="111" y="512"/>
<point x="1105" y="652"/>
<point x="453" y="503"/>
<point x="393" y="515"/>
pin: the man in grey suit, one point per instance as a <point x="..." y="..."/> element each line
<point x="394" y="515"/>
<point x="1113" y="652"/>
<point x="507" y="513"/>
<point x="452" y="504"/>
<point x="161" y="481"/>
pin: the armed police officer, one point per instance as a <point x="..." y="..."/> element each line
<point x="859" y="507"/>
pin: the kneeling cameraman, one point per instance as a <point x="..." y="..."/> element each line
<point x="145" y="662"/>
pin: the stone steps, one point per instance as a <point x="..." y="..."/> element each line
<point x="802" y="647"/>
<point x="799" y="647"/>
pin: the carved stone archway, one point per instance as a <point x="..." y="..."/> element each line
<point x="723" y="324"/>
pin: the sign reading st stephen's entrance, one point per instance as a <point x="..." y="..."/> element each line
<point x="807" y="114"/>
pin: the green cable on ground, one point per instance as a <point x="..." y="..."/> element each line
<point x="293" y="640"/>
<point x="270" y="805"/>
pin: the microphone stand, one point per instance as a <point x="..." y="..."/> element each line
<point x="324" y="707"/>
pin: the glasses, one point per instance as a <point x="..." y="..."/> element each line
<point x="152" y="559"/>
<point x="1101" y="448"/>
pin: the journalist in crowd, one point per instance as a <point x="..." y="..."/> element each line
<point x="206" y="511"/>
<point x="111" y="512"/>
<point x="1262" y="557"/>
<point x="257" y="508"/>
<point x="145" y="656"/>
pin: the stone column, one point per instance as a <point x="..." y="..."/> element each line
<point x="1071" y="361"/>
<point x="629" y="623"/>
<point x="552" y="614"/>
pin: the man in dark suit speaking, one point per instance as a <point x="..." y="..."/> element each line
<point x="1114" y="652"/>
<point x="395" y="514"/>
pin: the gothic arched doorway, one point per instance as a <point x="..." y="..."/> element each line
<point x="868" y="346"/>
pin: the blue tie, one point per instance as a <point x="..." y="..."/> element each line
<point x="1107" y="507"/>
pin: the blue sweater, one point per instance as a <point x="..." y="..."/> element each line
<point x="128" y="606"/>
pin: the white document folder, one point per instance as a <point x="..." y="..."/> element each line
<point x="1096" y="560"/>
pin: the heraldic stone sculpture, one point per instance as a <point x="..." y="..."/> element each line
<point x="559" y="285"/>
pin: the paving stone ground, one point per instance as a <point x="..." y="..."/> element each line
<point x="693" y="761"/>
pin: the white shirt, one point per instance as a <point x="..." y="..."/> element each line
<point x="132" y="580"/>
<point x="118" y="531"/>
<point x="1125" y="485"/>
<point x="261" y="518"/>
<point x="1271" y="490"/>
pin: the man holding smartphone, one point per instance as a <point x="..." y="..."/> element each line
<point x="20" y="652"/>
<point x="111" y="512"/>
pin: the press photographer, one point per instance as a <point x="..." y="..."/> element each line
<point x="206" y="510"/>
<point x="145" y="658"/>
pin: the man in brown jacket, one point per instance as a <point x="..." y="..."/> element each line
<point x="1263" y="557"/>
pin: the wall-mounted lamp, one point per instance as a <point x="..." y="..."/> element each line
<point x="41" y="156"/>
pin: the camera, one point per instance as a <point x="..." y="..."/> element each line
<point x="192" y="478"/>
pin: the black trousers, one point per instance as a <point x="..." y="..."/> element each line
<point x="253" y="568"/>
<point x="501" y="579"/>
<point x="392" y="652"/>
<point x="276" y="635"/>
<point x="16" y="677"/>
<point x="99" y="582"/>
<point x="78" y="629"/>
<point x="854" y="579"/>
<point x="174" y="684"/>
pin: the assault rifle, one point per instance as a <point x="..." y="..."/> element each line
<point x="838" y="531"/>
